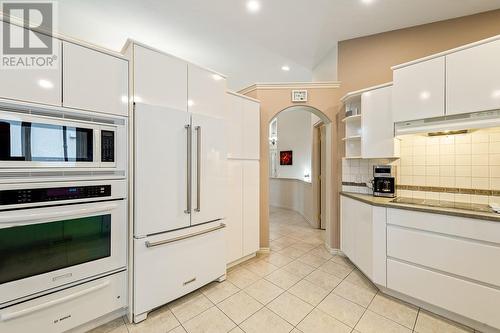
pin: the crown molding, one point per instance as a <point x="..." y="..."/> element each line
<point x="360" y="92"/>
<point x="291" y="85"/>
<point x="242" y="96"/>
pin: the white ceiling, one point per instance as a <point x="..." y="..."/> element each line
<point x="249" y="48"/>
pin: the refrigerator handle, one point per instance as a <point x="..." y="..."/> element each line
<point x="198" y="169"/>
<point x="189" y="167"/>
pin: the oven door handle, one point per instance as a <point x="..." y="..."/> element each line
<point x="28" y="216"/>
<point x="36" y="308"/>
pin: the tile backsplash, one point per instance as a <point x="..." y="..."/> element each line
<point x="459" y="162"/>
<point x="440" y="167"/>
<point x="356" y="173"/>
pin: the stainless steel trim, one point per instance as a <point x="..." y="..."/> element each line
<point x="176" y="239"/>
<point x="189" y="168"/>
<point x="198" y="169"/>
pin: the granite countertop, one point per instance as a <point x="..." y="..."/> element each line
<point x="481" y="212"/>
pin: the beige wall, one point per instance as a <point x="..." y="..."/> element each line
<point x="367" y="61"/>
<point x="273" y="101"/>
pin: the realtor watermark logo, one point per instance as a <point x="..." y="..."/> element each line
<point x="27" y="35"/>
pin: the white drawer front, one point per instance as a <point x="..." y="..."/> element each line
<point x="467" y="258"/>
<point x="67" y="309"/>
<point x="462" y="297"/>
<point x="166" y="272"/>
<point x="484" y="230"/>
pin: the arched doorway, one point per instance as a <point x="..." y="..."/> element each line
<point x="298" y="167"/>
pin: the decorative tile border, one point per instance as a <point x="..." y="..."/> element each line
<point x="354" y="184"/>
<point x="455" y="190"/>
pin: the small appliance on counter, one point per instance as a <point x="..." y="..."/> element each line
<point x="384" y="182"/>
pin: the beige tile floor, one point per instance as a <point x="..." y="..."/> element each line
<point x="297" y="287"/>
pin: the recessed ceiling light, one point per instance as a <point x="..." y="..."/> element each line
<point x="217" y="77"/>
<point x="46" y="84"/>
<point x="368" y="2"/>
<point x="425" y="95"/>
<point x="253" y="6"/>
<point x="285" y="68"/>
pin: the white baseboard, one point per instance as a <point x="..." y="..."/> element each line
<point x="439" y="311"/>
<point x="239" y="261"/>
<point x="335" y="252"/>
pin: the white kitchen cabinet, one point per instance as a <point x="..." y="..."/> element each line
<point x="33" y="85"/>
<point x="243" y="127"/>
<point x="251" y="130"/>
<point x="377" y="124"/>
<point x="159" y="79"/>
<point x="473" y="79"/>
<point x="419" y="90"/>
<point x="478" y="302"/>
<point x="206" y="92"/>
<point x="243" y="219"/>
<point x="235" y="126"/>
<point x="363" y="237"/>
<point x="445" y="261"/>
<point x="234" y="219"/>
<point x="94" y="81"/>
<point x="251" y="203"/>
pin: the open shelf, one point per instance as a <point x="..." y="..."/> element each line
<point x="354" y="137"/>
<point x="354" y="118"/>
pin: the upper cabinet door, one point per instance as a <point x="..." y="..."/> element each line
<point x="206" y="92"/>
<point x="29" y="84"/>
<point x="251" y="130"/>
<point x="235" y="126"/>
<point x="377" y="124"/>
<point x="159" y="79"/>
<point x="94" y="81"/>
<point x="419" y="91"/>
<point x="473" y="79"/>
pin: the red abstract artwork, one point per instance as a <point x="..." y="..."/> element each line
<point x="286" y="157"/>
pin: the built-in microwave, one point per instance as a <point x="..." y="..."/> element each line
<point x="30" y="140"/>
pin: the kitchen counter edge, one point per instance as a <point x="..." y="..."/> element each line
<point x="386" y="202"/>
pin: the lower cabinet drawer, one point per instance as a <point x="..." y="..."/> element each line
<point x="459" y="256"/>
<point x="171" y="265"/>
<point x="468" y="299"/>
<point x="67" y="309"/>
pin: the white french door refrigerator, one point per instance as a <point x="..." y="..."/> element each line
<point x="180" y="188"/>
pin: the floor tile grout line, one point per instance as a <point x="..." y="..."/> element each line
<point x="316" y="307"/>
<point x="416" y="319"/>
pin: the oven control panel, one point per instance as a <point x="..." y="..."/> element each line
<point x="34" y="195"/>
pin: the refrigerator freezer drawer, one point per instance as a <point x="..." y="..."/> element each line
<point x="67" y="309"/>
<point x="170" y="265"/>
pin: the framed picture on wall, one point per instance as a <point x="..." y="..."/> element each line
<point x="286" y="157"/>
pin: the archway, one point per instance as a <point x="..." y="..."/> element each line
<point x="296" y="184"/>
